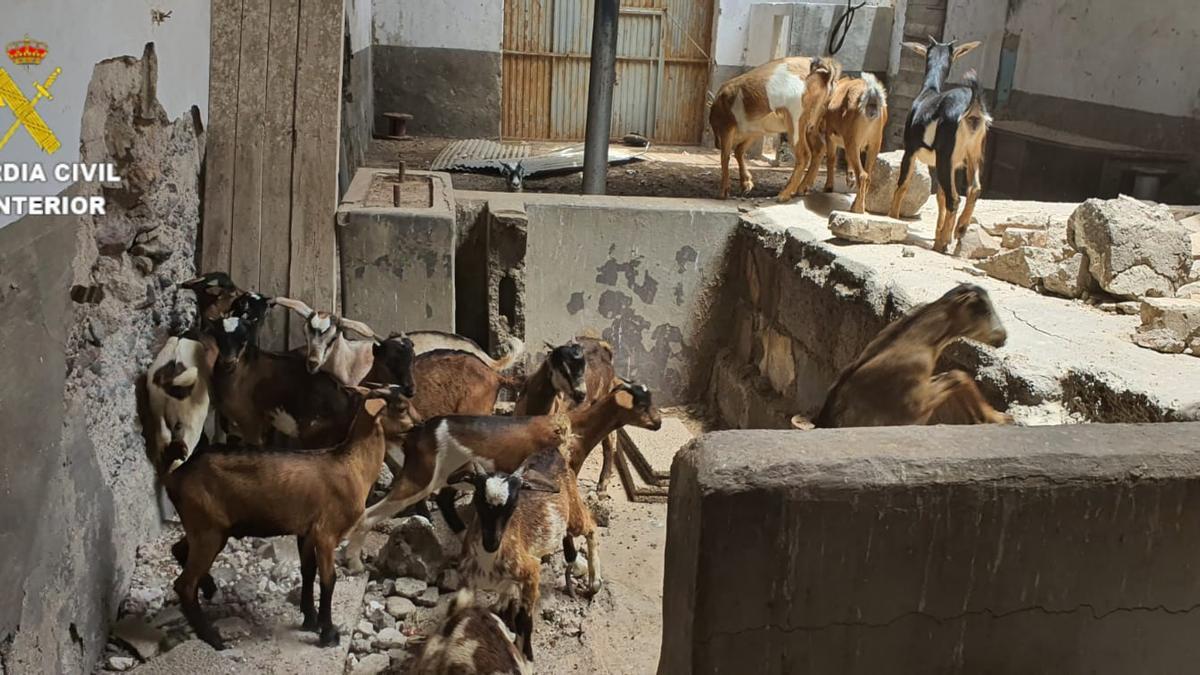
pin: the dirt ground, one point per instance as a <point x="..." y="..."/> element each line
<point x="668" y="171"/>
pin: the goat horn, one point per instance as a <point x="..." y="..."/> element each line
<point x="357" y="326"/>
<point x="296" y="305"/>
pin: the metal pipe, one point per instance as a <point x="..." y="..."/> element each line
<point x="601" y="79"/>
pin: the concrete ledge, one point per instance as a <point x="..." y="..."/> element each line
<point x="935" y="549"/>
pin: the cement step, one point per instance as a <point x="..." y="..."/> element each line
<point x="644" y="458"/>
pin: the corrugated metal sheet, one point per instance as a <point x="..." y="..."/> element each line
<point x="662" y="68"/>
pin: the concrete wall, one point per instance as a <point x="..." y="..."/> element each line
<point x="358" y="91"/>
<point x="1130" y="65"/>
<point x="934" y="550"/>
<point x="79" y="34"/>
<point x="440" y="62"/>
<point x="76" y="489"/>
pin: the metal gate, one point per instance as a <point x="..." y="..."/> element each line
<point x="661" y="70"/>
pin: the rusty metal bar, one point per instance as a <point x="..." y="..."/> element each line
<point x="600" y="96"/>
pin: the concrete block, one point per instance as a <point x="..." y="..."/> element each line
<point x="884" y="176"/>
<point x="1016" y="237"/>
<point x="1191" y="290"/>
<point x="934" y="549"/>
<point x="1070" y="278"/>
<point x="1025" y="266"/>
<point x="397" y="263"/>
<point x="1169" y="324"/>
<point x="1133" y="249"/>
<point x="866" y="228"/>
<point x="976" y="244"/>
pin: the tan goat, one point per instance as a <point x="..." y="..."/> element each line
<point x="783" y="96"/>
<point x="855" y="119"/>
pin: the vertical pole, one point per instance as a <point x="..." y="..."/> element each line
<point x="600" y="95"/>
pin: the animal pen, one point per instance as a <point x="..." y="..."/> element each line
<point x="349" y="377"/>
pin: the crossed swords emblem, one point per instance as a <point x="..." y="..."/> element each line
<point x="25" y="113"/>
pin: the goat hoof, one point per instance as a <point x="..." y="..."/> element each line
<point x="214" y="640"/>
<point x="208" y="587"/>
<point x="310" y="624"/>
<point x="829" y="188"/>
<point x="783" y="199"/>
<point x="746" y="189"/>
<point x="329" y="637"/>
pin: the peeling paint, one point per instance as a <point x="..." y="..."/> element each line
<point x="679" y="294"/>
<point x="575" y="304"/>
<point x="684" y="257"/>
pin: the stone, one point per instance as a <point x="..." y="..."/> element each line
<point x="232" y="627"/>
<point x="429" y="598"/>
<point x="450" y="579"/>
<point x="1134" y="250"/>
<point x="390" y="638"/>
<point x="884" y="176"/>
<point x="413" y="550"/>
<point x="120" y="663"/>
<point x="867" y="229"/>
<point x="140" y="636"/>
<point x="1191" y="290"/>
<point x="1194" y="274"/>
<point x="398" y="658"/>
<point x="975" y="244"/>
<point x="1070" y="279"/>
<point x="362" y="645"/>
<point x="372" y="664"/>
<point x="600" y="508"/>
<point x="401" y="608"/>
<point x="365" y="627"/>
<point x="410" y="588"/>
<point x="1025" y="266"/>
<point x="1169" y="324"/>
<point x="1016" y="237"/>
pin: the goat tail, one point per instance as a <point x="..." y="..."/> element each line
<point x="515" y="349"/>
<point x="874" y="98"/>
<point x="977" y="109"/>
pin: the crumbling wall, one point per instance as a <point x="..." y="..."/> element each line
<point x="80" y="493"/>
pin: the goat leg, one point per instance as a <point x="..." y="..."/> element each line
<point x="745" y="181"/>
<point x="202" y="550"/>
<point x="800" y="149"/>
<point x="608" y="451"/>
<point x="445" y="501"/>
<point x="329" y="632"/>
<point x="308" y="574"/>
<point x="524" y="631"/>
<point x="594" y="579"/>
<point x="956" y="399"/>
<point x="207" y="586"/>
<point x="818" y="144"/>
<point x="569" y="555"/>
<point x="862" y="179"/>
<point x="941" y="237"/>
<point x="906" y="169"/>
<point x="973" y="189"/>
<point x="726" y="150"/>
<point x="403" y="495"/>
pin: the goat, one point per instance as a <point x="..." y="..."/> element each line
<point x="177" y="387"/>
<point x="224" y="492"/>
<point x="855" y="118"/>
<point x="326" y="347"/>
<point x="892" y="382"/>
<point x="471" y="640"/>
<point x="430" y="340"/>
<point x="442" y="446"/>
<point x="520" y="519"/>
<point x="215" y="295"/>
<point x="787" y="95"/>
<point x="558" y="389"/>
<point x="514" y="174"/>
<point x="259" y="391"/>
<point x="945" y="129"/>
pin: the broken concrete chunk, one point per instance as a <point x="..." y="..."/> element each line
<point x="1070" y="279"/>
<point x="1191" y="290"/>
<point x="1026" y="266"/>
<point x="1134" y="250"/>
<point x="867" y="229"/>
<point x="1016" y="237"/>
<point x="413" y="550"/>
<point x="884" y="176"/>
<point x="976" y="244"/>
<point x="1169" y="324"/>
<point x="140" y="636"/>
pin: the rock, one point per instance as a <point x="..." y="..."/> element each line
<point x="429" y="598"/>
<point x="600" y="508"/>
<point x="139" y="636"/>
<point x="398" y="658"/>
<point x="399" y="607"/>
<point x="169" y="617"/>
<point x="884" y="176"/>
<point x="450" y="580"/>
<point x="372" y="664"/>
<point x="366" y="628"/>
<point x="390" y="638"/>
<point x="1169" y="324"/>
<point x="1071" y="278"/>
<point x="866" y="228"/>
<point x="362" y="645"/>
<point x="975" y="244"/>
<point x="409" y="587"/>
<point x="1191" y="290"/>
<point x="907" y="252"/>
<point x="1016" y="237"/>
<point x="1025" y="266"/>
<point x="143" y="600"/>
<point x="232" y="627"/>
<point x="1194" y="275"/>
<point x="1133" y="250"/>
<point x="413" y="550"/>
<point x="120" y="663"/>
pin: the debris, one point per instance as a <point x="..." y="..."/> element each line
<point x="1191" y="290"/>
<point x="907" y="252"/>
<point x="884" y="176"/>
<point x="409" y="588"/>
<point x="120" y="663"/>
<point x="232" y="627"/>
<point x="413" y="550"/>
<point x="1169" y="325"/>
<point x="399" y="607"/>
<point x="635" y="140"/>
<point x="366" y="628"/>
<point x="976" y="244"/>
<point x="1026" y="266"/>
<point x="482" y="156"/>
<point x="140" y="636"/>
<point x="390" y="638"/>
<point x="1071" y="278"/>
<point x="1133" y="250"/>
<point x="1016" y="237"/>
<point x="866" y="228"/>
<point x="372" y="664"/>
<point x="429" y="598"/>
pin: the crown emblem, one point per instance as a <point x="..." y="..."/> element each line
<point x="26" y="52"/>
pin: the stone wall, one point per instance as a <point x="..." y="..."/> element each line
<point x="934" y="550"/>
<point x="75" y="485"/>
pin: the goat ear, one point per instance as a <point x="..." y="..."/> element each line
<point x="964" y="48"/>
<point x="917" y="47"/>
<point x="624" y="398"/>
<point x="295" y="305"/>
<point x="358" y="327"/>
<point x="548" y="345"/>
<point x="374" y="406"/>
<point x="538" y="483"/>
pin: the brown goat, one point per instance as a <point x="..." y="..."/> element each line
<point x="892" y="382"/>
<point x="215" y="295"/>
<point x="442" y="446"/>
<point x="783" y="96"/>
<point x="855" y="119"/>
<point x="471" y="641"/>
<point x="223" y="492"/>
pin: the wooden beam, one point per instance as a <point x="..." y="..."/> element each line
<point x="225" y="50"/>
<point x="248" y="154"/>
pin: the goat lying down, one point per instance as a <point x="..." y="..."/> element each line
<point x="471" y="640"/>
<point x="522" y="518"/>
<point x="892" y="383"/>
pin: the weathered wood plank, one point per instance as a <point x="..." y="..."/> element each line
<point x="314" y="185"/>
<point x="275" y="247"/>
<point x="222" y="134"/>
<point x="248" y="154"/>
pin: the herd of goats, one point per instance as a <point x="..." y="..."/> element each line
<point x="306" y="433"/>
<point x="809" y="100"/>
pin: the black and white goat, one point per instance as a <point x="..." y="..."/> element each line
<point x="945" y="129"/>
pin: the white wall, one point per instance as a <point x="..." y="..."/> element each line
<point x="453" y="24"/>
<point x="1141" y="55"/>
<point x="733" y="26"/>
<point x="358" y="16"/>
<point x="80" y="33"/>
